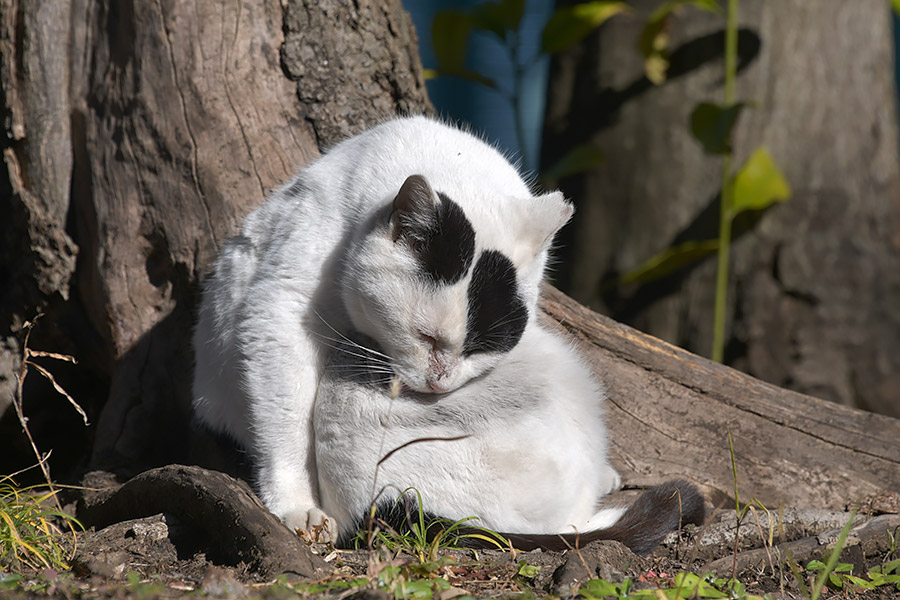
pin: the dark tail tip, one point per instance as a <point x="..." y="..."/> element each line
<point x="659" y="510"/>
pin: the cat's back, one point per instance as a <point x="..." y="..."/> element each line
<point x="372" y="166"/>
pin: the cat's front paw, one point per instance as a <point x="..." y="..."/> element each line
<point x="313" y="525"/>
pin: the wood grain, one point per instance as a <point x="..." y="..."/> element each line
<point x="670" y="413"/>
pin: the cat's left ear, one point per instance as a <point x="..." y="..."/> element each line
<point x="549" y="212"/>
<point x="414" y="207"/>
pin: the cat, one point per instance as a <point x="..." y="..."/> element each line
<point x="415" y="234"/>
<point x="523" y="449"/>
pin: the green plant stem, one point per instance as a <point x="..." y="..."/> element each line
<point x="724" y="252"/>
<point x="727" y="201"/>
<point x="730" y="51"/>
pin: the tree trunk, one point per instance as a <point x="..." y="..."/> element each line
<point x="138" y="136"/>
<point x="815" y="292"/>
<point x="182" y="117"/>
<point x="670" y="413"/>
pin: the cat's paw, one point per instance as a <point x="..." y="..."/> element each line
<point x="314" y="524"/>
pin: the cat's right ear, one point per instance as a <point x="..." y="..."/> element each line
<point x="413" y="208"/>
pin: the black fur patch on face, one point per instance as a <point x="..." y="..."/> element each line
<point x="446" y="247"/>
<point x="497" y="315"/>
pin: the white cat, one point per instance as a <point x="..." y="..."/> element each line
<point x="522" y="448"/>
<point x="413" y="233"/>
<point x="533" y="459"/>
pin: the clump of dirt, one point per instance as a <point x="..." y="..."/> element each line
<point x="214" y="537"/>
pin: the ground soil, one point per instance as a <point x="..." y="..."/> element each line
<point x="166" y="555"/>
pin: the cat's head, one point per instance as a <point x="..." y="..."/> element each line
<point x="446" y="296"/>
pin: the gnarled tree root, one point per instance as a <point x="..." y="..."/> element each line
<point x="232" y="523"/>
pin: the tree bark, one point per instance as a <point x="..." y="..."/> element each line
<point x="670" y="413"/>
<point x="815" y="291"/>
<point x="138" y="136"/>
<point x="227" y="518"/>
<point x="182" y="116"/>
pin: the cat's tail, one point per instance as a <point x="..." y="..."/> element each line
<point x="642" y="526"/>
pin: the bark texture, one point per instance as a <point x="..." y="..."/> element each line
<point x="227" y="520"/>
<point x="178" y="117"/>
<point x="138" y="136"/>
<point x="815" y="293"/>
<point x="670" y="413"/>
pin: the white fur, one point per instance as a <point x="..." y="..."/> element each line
<point x="318" y="258"/>
<point x="535" y="459"/>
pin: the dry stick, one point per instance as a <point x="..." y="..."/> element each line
<point x="767" y="541"/>
<point x="25" y="469"/>
<point x="27" y="355"/>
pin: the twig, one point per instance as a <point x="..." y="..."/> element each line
<point x="27" y="355"/>
<point x="767" y="541"/>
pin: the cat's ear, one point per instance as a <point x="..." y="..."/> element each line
<point x="414" y="207"/>
<point x="548" y="213"/>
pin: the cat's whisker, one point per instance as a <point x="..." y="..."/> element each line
<point x="346" y="348"/>
<point x="358" y="355"/>
<point x="505" y="320"/>
<point x="358" y="371"/>
<point x="348" y="340"/>
<point x="344" y="340"/>
<point x="343" y="343"/>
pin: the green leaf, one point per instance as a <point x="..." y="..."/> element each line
<point x="388" y="575"/>
<point x="815" y="565"/>
<point x="712" y="124"/>
<point x="571" y="24"/>
<point x="423" y="589"/>
<point x="501" y="17"/>
<point x="653" y="42"/>
<point x="670" y="260"/>
<point x="450" y="35"/>
<point x="706" y="5"/>
<point x="895" y="4"/>
<point x="890" y="567"/>
<point x="759" y="184"/>
<point x="695" y="586"/>
<point x="526" y="570"/>
<point x="596" y="589"/>
<point x="578" y="159"/>
<point x="859" y="583"/>
<point x="10" y="581"/>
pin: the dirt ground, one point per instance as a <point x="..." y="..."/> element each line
<point x="206" y="534"/>
<point x="157" y="556"/>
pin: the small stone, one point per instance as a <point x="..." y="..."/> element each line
<point x="602" y="559"/>
<point x="219" y="583"/>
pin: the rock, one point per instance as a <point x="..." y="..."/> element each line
<point x="219" y="583"/>
<point x="602" y="559"/>
<point x="127" y="546"/>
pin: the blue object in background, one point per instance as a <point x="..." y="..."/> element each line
<point x="489" y="112"/>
